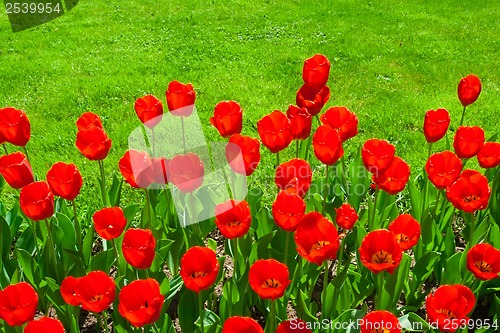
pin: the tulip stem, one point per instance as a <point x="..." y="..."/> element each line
<point x="26" y="153"/>
<point x="35" y="239"/>
<point x="379" y="278"/>
<point x="77" y="228"/>
<point x="430" y="150"/>
<point x="103" y="184"/>
<point x="325" y="287"/>
<point x="153" y="147"/>
<point x="5" y="149"/>
<point x="287" y="244"/>
<point x="277" y="159"/>
<point x="200" y="308"/>
<point x="463" y="115"/>
<point x="272" y="317"/>
<point x="148" y="209"/>
<point x="325" y="189"/>
<point x="183" y="135"/>
<point x="234" y="246"/>
<point x="51" y="249"/>
<point x="372" y="220"/>
<point x="155" y="328"/>
<point x="104" y="317"/>
<point x="297" y="148"/>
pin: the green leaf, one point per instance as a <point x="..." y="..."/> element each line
<point x="348" y="321"/>
<point x="102" y="261"/>
<point x="452" y="272"/>
<point x="27" y="265"/>
<point x="88" y="242"/>
<point x="188" y="311"/>
<point x="265" y="222"/>
<point x="303" y="310"/>
<point x="413" y="323"/>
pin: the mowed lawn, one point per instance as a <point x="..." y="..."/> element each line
<point x="391" y="61"/>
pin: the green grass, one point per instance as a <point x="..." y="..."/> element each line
<point x="391" y="61"/>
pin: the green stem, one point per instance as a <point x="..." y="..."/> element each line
<point x="200" y="308"/>
<point x="103" y="184"/>
<point x="51" y="249"/>
<point x="344" y="173"/>
<point x="277" y="159"/>
<point x="297" y="148"/>
<point x="287" y="244"/>
<point x="463" y="115"/>
<point x="437" y="203"/>
<point x="380" y="287"/>
<point x="77" y="228"/>
<point x="148" y="209"/>
<point x="35" y="239"/>
<point x="153" y="142"/>
<point x="325" y="286"/>
<point x="325" y="190"/>
<point x="26" y="153"/>
<point x="183" y="135"/>
<point x="155" y="328"/>
<point x="372" y="220"/>
<point x="430" y="150"/>
<point x="341" y="254"/>
<point x="105" y="320"/>
<point x="234" y="246"/>
<point x="5" y="149"/>
<point x="272" y="316"/>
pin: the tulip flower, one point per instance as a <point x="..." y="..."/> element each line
<point x="470" y="192"/>
<point x="227" y="118"/>
<point x="443" y="169"/>
<point x="327" y="145"/>
<point x="180" y="98"/>
<point x="449" y="306"/>
<point x="44" y="325"/>
<point x="269" y="278"/>
<point x="316" y="70"/>
<point x="18" y="303"/>
<point x="288" y="209"/>
<point x="346" y="216"/>
<point x="380" y="251"/>
<point x="186" y="172"/>
<point x="96" y="291"/>
<point x="394" y="179"/>
<point x="149" y="110"/>
<point x="275" y="131"/>
<point x="343" y="120"/>
<point x="293" y="326"/>
<point x="93" y="143"/>
<point x="380" y="321"/>
<point x="69" y="290"/>
<point x="407" y="231"/>
<point x="16" y="170"/>
<point x="233" y="218"/>
<point x="241" y="325"/>
<point x="436" y="124"/>
<point x="138" y="248"/>
<point x="109" y="222"/>
<point x="301" y="122"/>
<point x="88" y="120"/>
<point x="65" y="180"/>
<point x="469" y="89"/>
<point x="377" y="155"/>
<point x="468" y="141"/>
<point x="294" y="176"/>
<point x="141" y="302"/>
<point x="312" y="98"/>
<point x="37" y="201"/>
<point x="135" y="167"/>
<point x="15" y="127"/>
<point x="249" y="150"/>
<point x="489" y="155"/>
<point x="483" y="260"/>
<point x="199" y="268"/>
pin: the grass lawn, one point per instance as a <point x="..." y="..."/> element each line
<point x="391" y="61"/>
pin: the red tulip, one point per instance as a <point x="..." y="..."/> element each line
<point x="380" y="321"/>
<point x="109" y="222"/>
<point x="449" y="305"/>
<point x="312" y="98"/>
<point x="186" y="172"/>
<point x="141" y="302"/>
<point x="268" y="278"/>
<point x="275" y="131"/>
<point x="470" y="192"/>
<point x="44" y="325"/>
<point x="88" y="120"/>
<point x="469" y="89"/>
<point x="37" y="201"/>
<point x="377" y="155"/>
<point x="316" y="238"/>
<point x="489" y="155"/>
<point x="69" y="290"/>
<point x="288" y="209"/>
<point x="65" y="180"/>
<point x="227" y="118"/>
<point x="93" y="143"/>
<point x="149" y="110"/>
<point x="316" y="70"/>
<point x="138" y="248"/>
<point x="249" y="148"/>
<point x="241" y="325"/>
<point x="443" y="169"/>
<point x="483" y="260"/>
<point x="199" y="268"/>
<point x="343" y="120"/>
<point x="160" y="170"/>
<point x="346" y="216"/>
<point x="293" y="326"/>
<point x="135" y="167"/>
<point x="294" y="176"/>
<point x="16" y="170"/>
<point x="96" y="291"/>
<point x="18" y="303"/>
<point x="394" y="179"/>
<point x="436" y="124"/>
<point x="380" y="251"/>
<point x="15" y="127"/>
<point x="180" y="98"/>
<point x="233" y="218"/>
<point x="407" y="231"/>
<point x="468" y="141"/>
<point x="327" y="145"/>
<point x="301" y="122"/>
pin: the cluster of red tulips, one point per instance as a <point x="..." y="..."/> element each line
<point x="340" y="240"/>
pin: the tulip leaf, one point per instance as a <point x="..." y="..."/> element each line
<point x="188" y="311"/>
<point x="88" y="242"/>
<point x="348" y="321"/>
<point x="26" y="263"/>
<point x="303" y="310"/>
<point x="102" y="261"/>
<point x="265" y="222"/>
<point x="452" y="272"/>
<point x="412" y="322"/>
